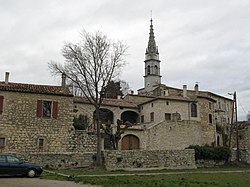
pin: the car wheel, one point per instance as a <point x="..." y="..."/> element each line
<point x="31" y="173"/>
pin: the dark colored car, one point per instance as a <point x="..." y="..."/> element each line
<point x="11" y="165"/>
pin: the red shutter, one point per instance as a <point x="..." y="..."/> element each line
<point x="1" y="104"/>
<point x="55" y="110"/>
<point x="39" y="109"/>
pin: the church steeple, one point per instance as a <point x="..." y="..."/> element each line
<point x="152" y="49"/>
<point x="152" y="75"/>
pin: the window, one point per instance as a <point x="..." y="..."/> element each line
<point x="210" y="105"/>
<point x="152" y="116"/>
<point x="167" y="102"/>
<point x="2" y="144"/>
<point x="148" y="70"/>
<point x="218" y="141"/>
<point x="210" y="118"/>
<point x="167" y="116"/>
<point x="40" y="144"/>
<point x="152" y="105"/>
<point x="47" y="109"/>
<point x="2" y="158"/>
<point x="1" y="104"/>
<point x="142" y="119"/>
<point x="156" y="70"/>
<point x="193" y="110"/>
<point x="12" y="159"/>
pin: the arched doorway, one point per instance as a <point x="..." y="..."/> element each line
<point x="130" y="142"/>
<point x="130" y="116"/>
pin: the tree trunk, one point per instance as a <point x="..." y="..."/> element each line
<point x="98" y="132"/>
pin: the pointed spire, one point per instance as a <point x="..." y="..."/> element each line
<point x="152" y="49"/>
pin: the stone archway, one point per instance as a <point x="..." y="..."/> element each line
<point x="130" y="116"/>
<point x="106" y="116"/>
<point x="130" y="142"/>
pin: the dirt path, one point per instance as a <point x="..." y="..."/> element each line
<point x="36" y="182"/>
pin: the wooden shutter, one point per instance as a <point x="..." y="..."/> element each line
<point x="39" y="109"/>
<point x="55" y="110"/>
<point x="1" y="104"/>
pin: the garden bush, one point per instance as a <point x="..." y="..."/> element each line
<point x="211" y="153"/>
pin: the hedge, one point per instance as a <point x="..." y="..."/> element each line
<point x="211" y="153"/>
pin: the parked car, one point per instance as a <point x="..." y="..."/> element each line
<point x="11" y="165"/>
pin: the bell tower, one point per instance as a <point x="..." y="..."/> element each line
<point x="152" y="75"/>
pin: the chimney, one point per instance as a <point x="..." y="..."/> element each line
<point x="63" y="80"/>
<point x="196" y="89"/>
<point x="184" y="90"/>
<point x="7" y="75"/>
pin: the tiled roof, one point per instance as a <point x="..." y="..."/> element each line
<point x="145" y="99"/>
<point x="108" y="102"/>
<point x="32" y="88"/>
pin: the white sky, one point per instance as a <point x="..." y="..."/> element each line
<point x="199" y="40"/>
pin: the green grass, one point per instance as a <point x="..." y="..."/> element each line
<point x="192" y="180"/>
<point x="169" y="178"/>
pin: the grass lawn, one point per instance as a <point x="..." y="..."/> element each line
<point x="167" y="178"/>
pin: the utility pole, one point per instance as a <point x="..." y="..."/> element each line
<point x="231" y="126"/>
<point x="234" y="112"/>
<point x="237" y="129"/>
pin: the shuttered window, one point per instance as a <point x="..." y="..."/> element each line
<point x="47" y="109"/>
<point x="1" y="104"/>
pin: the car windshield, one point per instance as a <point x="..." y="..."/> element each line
<point x="12" y="159"/>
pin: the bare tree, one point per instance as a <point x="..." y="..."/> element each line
<point x="90" y="65"/>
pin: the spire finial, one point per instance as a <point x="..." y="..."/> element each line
<point x="151" y="49"/>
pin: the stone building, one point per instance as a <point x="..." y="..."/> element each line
<point x="34" y="117"/>
<point x="207" y="115"/>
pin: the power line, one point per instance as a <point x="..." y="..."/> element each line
<point x="241" y="106"/>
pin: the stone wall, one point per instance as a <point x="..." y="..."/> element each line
<point x="151" y="159"/>
<point x="22" y="128"/>
<point x="83" y="141"/>
<point x="60" y="160"/>
<point x="244" y="144"/>
<point x="209" y="163"/>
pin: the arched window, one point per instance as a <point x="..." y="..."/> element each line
<point x="193" y="110"/>
<point x="148" y="70"/>
<point x="218" y="140"/>
<point x="210" y="118"/>
<point x="156" y="70"/>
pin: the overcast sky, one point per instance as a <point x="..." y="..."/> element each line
<point x="199" y="40"/>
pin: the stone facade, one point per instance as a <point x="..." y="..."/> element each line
<point x="82" y="141"/>
<point x="167" y="135"/>
<point x="60" y="160"/>
<point x="22" y="128"/>
<point x="150" y="159"/>
<point x="25" y="129"/>
<point x="244" y="142"/>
